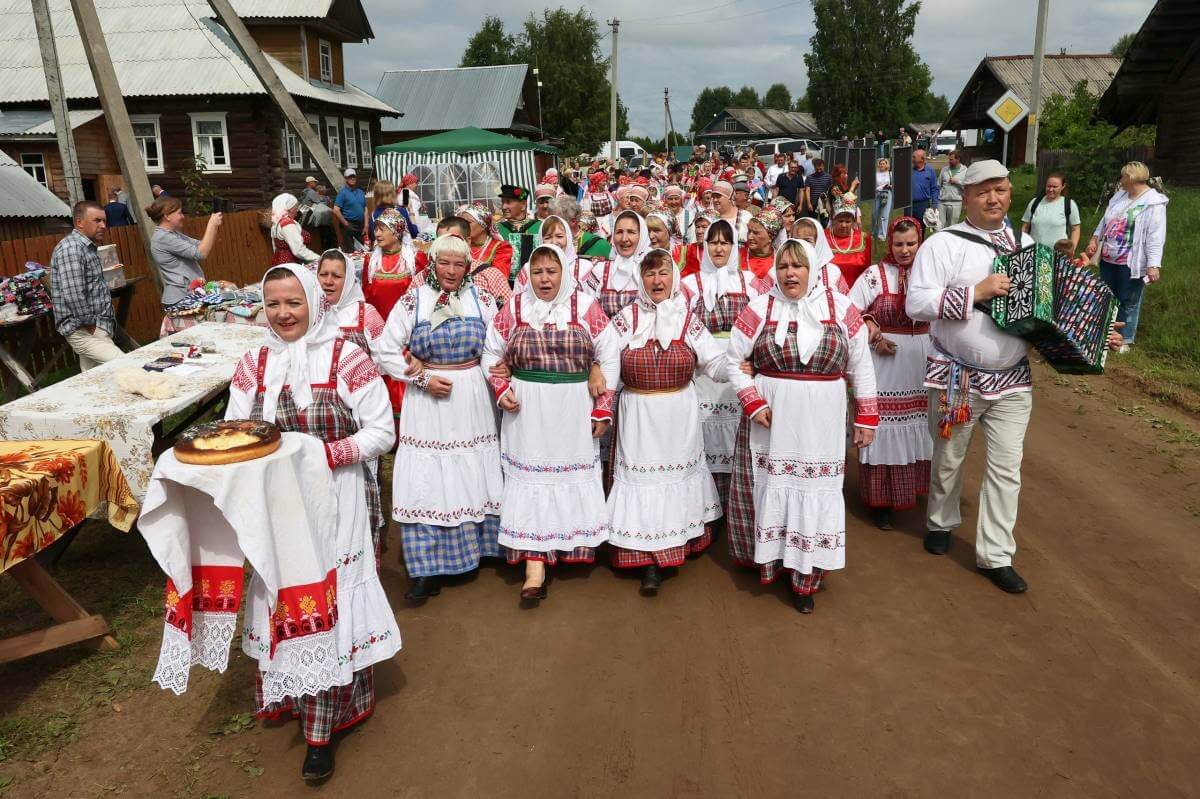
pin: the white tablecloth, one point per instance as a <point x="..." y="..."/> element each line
<point x="89" y="405"/>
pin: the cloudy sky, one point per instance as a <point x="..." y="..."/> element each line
<point x="744" y="42"/>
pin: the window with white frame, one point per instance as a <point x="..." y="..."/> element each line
<point x="35" y="165"/>
<point x="210" y="141"/>
<point x="485" y="180"/>
<point x="730" y="124"/>
<point x="351" y="143"/>
<point x="333" y="140"/>
<point x="325" y="56"/>
<point x="364" y="132"/>
<point x="292" y="148"/>
<point x="148" y="135"/>
<point x="314" y="122"/>
<point x="444" y="187"/>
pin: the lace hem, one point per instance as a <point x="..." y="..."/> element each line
<point x="302" y="666"/>
<point x="212" y="635"/>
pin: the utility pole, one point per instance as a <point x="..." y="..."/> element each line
<point x="612" y="111"/>
<point x="1035" y="90"/>
<point x="119" y="127"/>
<point x="666" y="118"/>
<point x="58" y="103"/>
<point x="258" y="62"/>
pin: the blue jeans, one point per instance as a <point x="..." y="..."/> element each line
<point x="1128" y="292"/>
<point x="881" y="213"/>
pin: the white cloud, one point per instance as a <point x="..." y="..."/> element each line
<point x="688" y="51"/>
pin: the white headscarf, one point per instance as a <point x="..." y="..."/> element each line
<point x="824" y="251"/>
<point x="556" y="310"/>
<point x="662" y="321"/>
<point x="807" y="311"/>
<point x="352" y="292"/>
<point x="279" y="208"/>
<point x="628" y="267"/>
<point x="718" y="281"/>
<point x="287" y="362"/>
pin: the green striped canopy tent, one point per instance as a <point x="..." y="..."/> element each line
<point x="460" y="166"/>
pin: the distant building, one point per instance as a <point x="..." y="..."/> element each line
<point x="740" y="126"/>
<point x="27" y="208"/>
<point x="1159" y="83"/>
<point x="502" y="99"/>
<point x="997" y="74"/>
<point x="189" y="92"/>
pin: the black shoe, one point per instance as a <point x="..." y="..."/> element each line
<point x="937" y="542"/>
<point x="422" y="588"/>
<point x="318" y="763"/>
<point x="1005" y="578"/>
<point x="651" y="580"/>
<point x="803" y="603"/>
<point x="883" y="518"/>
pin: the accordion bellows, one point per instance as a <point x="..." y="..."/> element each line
<point x="1064" y="311"/>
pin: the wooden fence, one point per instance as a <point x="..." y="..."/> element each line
<point x="241" y="255"/>
<point x="1066" y="161"/>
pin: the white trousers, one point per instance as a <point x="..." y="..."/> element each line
<point x="1004" y="421"/>
<point x="93" y="349"/>
<point x="949" y="212"/>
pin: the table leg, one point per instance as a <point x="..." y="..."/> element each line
<point x="18" y="370"/>
<point x="75" y="624"/>
<point x="123" y="340"/>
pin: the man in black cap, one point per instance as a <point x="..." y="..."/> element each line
<point x="518" y="228"/>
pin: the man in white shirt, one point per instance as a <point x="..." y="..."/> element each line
<point x="775" y="170"/>
<point x="806" y="161"/>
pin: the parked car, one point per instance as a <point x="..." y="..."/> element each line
<point x="945" y="142"/>
<point x="632" y="152"/>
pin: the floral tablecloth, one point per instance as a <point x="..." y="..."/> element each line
<point x="47" y="487"/>
<point x="90" y="406"/>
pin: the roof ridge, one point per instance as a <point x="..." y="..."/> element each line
<point x="1056" y="56"/>
<point x="451" y="69"/>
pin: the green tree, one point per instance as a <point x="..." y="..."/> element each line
<point x="490" y="46"/>
<point x="863" y="73"/>
<point x="565" y="47"/>
<point x="803" y="103"/>
<point x="1121" y="48"/>
<point x="778" y="97"/>
<point x="746" y="97"/>
<point x="711" y="101"/>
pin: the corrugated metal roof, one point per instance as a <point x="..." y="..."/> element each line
<point x="282" y="9"/>
<point x="22" y="196"/>
<point x="769" y="121"/>
<point x="39" y="121"/>
<point x="1060" y="73"/>
<point x="449" y="99"/>
<point x="158" y="49"/>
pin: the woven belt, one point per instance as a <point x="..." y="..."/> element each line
<point x="911" y="330"/>
<point x="799" y="375"/>
<point x="633" y="390"/>
<point x="460" y="365"/>
<point x="542" y="376"/>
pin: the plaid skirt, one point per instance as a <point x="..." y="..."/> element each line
<point x="552" y="557"/>
<point x="895" y="487"/>
<point x="326" y="712"/>
<point x="664" y="558"/>
<point x="430" y="550"/>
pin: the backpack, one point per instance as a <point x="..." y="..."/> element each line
<point x="1066" y="212"/>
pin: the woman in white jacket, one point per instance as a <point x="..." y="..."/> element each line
<point x="1130" y="239"/>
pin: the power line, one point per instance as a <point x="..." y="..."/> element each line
<point x="684" y="13"/>
<point x="721" y="19"/>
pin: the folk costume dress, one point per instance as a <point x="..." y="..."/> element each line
<point x="894" y="470"/>
<point x="521" y="235"/>
<point x="290" y="243"/>
<point x="553" y="505"/>
<point x="717" y="295"/>
<point x="387" y="276"/>
<point x="446" y="483"/>
<point x="357" y="320"/>
<point x="663" y="495"/>
<point x="492" y="261"/>
<point x="786" y="510"/>
<point x="328" y="388"/>
<point x="852" y="255"/>
<point x="615" y="282"/>
<point x="829" y="272"/>
<point x="580" y="268"/>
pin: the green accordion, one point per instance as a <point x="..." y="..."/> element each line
<point x="1064" y="311"/>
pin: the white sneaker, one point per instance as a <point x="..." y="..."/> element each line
<point x="1124" y="349"/>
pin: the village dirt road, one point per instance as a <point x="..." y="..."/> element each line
<point x="914" y="677"/>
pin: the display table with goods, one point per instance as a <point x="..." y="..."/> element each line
<point x="47" y="489"/>
<point x="140" y="402"/>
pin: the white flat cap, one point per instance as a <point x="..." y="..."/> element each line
<point x="987" y="169"/>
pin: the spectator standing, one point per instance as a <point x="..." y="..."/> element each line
<point x="817" y="188"/>
<point x="83" y="312"/>
<point x="950" y="192"/>
<point x="158" y="191"/>
<point x="350" y="207"/>
<point x="116" y="213"/>
<point x="807" y="163"/>
<point x="775" y="171"/>
<point x="924" y="186"/>
<point x="790" y="185"/>
<point x="1054" y="216"/>
<point x="322" y="216"/>
<point x="882" y="211"/>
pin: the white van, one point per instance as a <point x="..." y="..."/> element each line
<point x="633" y="153"/>
<point x="945" y="142"/>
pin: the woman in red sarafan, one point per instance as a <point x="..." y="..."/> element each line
<point x="851" y="247"/>
<point x="387" y="275"/>
<point x="760" y="238"/>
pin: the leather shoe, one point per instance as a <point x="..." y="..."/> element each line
<point x="422" y="588"/>
<point x="651" y="580"/>
<point x="803" y="603"/>
<point x="883" y="518"/>
<point x="937" y="542"/>
<point x="1005" y="578"/>
<point x="537" y="592"/>
<point x="318" y="763"/>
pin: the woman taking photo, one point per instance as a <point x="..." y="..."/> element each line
<point x="786" y="510"/>
<point x="1130" y="239"/>
<point x="1054" y="216"/>
<point x="894" y="470"/>
<point x="446" y="483"/>
<point x="548" y="337"/>
<point x="717" y="293"/>
<point x="356" y="319"/>
<point x="178" y="256"/>
<point x="309" y="380"/>
<point x="290" y="243"/>
<point x="615" y="283"/>
<point x="663" y="496"/>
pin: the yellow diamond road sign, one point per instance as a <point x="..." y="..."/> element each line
<point x="1008" y="111"/>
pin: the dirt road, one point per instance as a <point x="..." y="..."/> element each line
<point x="915" y="677"/>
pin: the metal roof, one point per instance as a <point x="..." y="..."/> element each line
<point x="39" y="122"/>
<point x="22" y="196"/>
<point x="449" y="99"/>
<point x="771" y="122"/>
<point x="1166" y="44"/>
<point x="159" y="48"/>
<point x="1060" y="73"/>
<point x="282" y="9"/>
